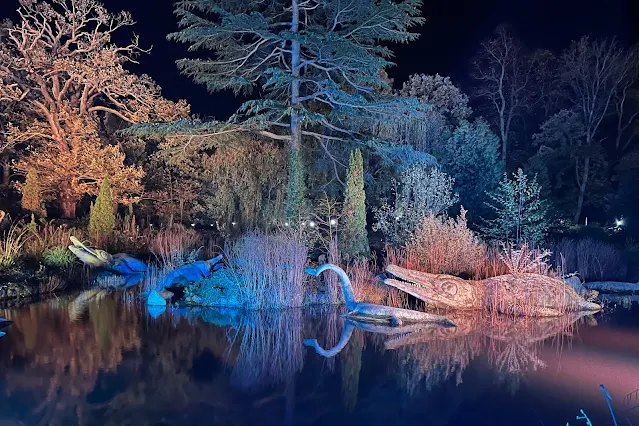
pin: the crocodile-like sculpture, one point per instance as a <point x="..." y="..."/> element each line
<point x="121" y="263"/>
<point x="516" y="294"/>
<point x="376" y="313"/>
<point x="134" y="269"/>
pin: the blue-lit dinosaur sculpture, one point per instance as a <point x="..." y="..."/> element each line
<point x="4" y="323"/>
<point x="134" y="270"/>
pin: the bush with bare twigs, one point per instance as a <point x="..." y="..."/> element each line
<point x="269" y="269"/>
<point x="441" y="246"/>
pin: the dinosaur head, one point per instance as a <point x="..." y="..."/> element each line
<point x="92" y="257"/>
<point x="445" y="291"/>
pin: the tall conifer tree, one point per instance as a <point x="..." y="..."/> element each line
<point x="318" y="66"/>
<point x="354" y="239"/>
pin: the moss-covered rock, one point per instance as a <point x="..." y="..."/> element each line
<point x="219" y="289"/>
<point x="13" y="290"/>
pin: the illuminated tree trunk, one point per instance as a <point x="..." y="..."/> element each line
<point x="295" y="189"/>
<point x="582" y="182"/>
<point x="6" y="173"/>
<point x="68" y="200"/>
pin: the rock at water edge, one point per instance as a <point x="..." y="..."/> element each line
<point x="156" y="311"/>
<point x="155" y="299"/>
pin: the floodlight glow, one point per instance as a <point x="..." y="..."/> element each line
<point x="311" y="224"/>
<point x="618" y="223"/>
<point x="333" y="222"/>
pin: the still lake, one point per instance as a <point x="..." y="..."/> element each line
<point x="110" y="361"/>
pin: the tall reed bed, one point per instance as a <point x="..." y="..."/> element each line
<point x="47" y="236"/>
<point x="593" y="260"/>
<point x="176" y="246"/>
<point x="269" y="269"/>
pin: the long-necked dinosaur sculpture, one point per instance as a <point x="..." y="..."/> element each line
<point x="518" y="294"/>
<point x="378" y="313"/>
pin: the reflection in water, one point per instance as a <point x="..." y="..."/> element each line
<point x="104" y="359"/>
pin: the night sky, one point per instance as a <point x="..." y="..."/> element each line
<point x="450" y="36"/>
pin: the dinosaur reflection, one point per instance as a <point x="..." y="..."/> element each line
<point x="436" y="353"/>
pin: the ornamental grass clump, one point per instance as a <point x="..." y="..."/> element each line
<point x="46" y="235"/>
<point x="269" y="269"/>
<point x="59" y="257"/>
<point x="11" y="244"/>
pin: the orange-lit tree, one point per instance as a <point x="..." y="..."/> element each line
<point x="63" y="72"/>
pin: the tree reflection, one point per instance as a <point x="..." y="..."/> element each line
<point x="102" y="359"/>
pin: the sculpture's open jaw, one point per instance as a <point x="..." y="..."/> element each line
<point x="88" y="256"/>
<point x="402" y="280"/>
<point x="423" y="286"/>
<point x="417" y="290"/>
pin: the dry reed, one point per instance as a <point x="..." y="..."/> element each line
<point x="593" y="260"/>
<point x="11" y="245"/>
<point x="269" y="269"/>
<point x="173" y="246"/>
<point x="370" y="289"/>
<point x="441" y="246"/>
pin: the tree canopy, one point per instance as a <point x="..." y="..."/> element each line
<point x="62" y="72"/>
<point x="317" y="64"/>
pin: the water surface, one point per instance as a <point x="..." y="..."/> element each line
<point x="111" y="362"/>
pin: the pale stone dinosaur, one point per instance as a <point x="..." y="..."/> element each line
<point x="378" y="313"/>
<point x="518" y="294"/>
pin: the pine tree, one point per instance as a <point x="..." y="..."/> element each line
<point x="32" y="194"/>
<point x="354" y="239"/>
<point x="471" y="157"/>
<point x="318" y="66"/>
<point x="520" y="213"/>
<point x="102" y="217"/>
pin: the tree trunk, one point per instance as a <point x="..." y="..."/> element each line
<point x="68" y="201"/>
<point x="504" y="140"/>
<point x="6" y="173"/>
<point x="582" y="190"/>
<point x="295" y="190"/>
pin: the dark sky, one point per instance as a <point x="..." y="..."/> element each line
<point x="451" y="34"/>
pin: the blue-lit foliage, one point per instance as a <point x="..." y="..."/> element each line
<point x="318" y="66"/>
<point x="471" y="157"/>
